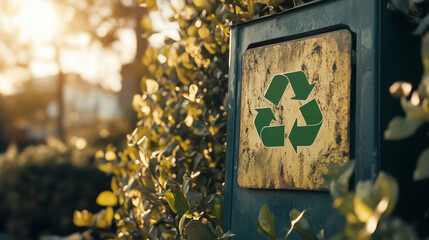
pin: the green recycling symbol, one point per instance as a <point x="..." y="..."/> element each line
<point x="274" y="136"/>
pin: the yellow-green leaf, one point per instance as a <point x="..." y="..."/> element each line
<point x="203" y="32"/>
<point x="196" y="230"/>
<point x="202" y="5"/>
<point x="181" y="76"/>
<point x="385" y="186"/>
<point x="192" y="31"/>
<point x="266" y="220"/>
<point x="136" y="103"/>
<point x="193" y="89"/>
<point x="82" y="218"/>
<point x="422" y="169"/>
<point x="110" y="155"/>
<point x="185" y="60"/>
<point x="345" y="206"/>
<point x="151" y="4"/>
<point x="211" y="47"/>
<point x="402" y="127"/>
<point x="177" y="201"/>
<point x="114" y="185"/>
<point x="107" y="199"/>
<point x="107" y="167"/>
<point x="104" y="219"/>
<point x="301" y="225"/>
<point x="362" y="210"/>
<point x="150" y="86"/>
<point x="145" y="23"/>
<point x="215" y="207"/>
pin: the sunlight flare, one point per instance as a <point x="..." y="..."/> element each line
<point x="39" y="21"/>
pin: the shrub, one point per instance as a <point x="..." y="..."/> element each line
<point x="366" y="210"/>
<point x="169" y="181"/>
<point x="41" y="186"/>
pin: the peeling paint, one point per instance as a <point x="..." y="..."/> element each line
<point x="326" y="61"/>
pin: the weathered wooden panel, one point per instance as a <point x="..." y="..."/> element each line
<point x="314" y="142"/>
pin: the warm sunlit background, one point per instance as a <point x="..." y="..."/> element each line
<point x="68" y="73"/>
<point x="66" y="66"/>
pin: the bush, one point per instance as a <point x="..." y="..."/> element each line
<point x="169" y="181"/>
<point x="365" y="212"/>
<point x="41" y="186"/>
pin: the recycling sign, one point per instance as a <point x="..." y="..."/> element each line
<point x="292" y="111"/>
<point x="274" y="135"/>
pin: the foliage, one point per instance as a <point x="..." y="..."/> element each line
<point x="417" y="107"/>
<point x="97" y="22"/>
<point x="365" y="211"/>
<point x="55" y="30"/>
<point x="41" y="185"/>
<point x="169" y="181"/>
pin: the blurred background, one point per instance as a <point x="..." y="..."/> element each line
<point x="68" y="73"/>
<point x="67" y="69"/>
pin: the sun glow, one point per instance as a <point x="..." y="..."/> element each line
<point x="38" y="20"/>
<point x="46" y="41"/>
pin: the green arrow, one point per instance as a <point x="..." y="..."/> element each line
<point x="263" y="119"/>
<point x="300" y="85"/>
<point x="305" y="135"/>
<point x="311" y="113"/>
<point x="276" y="89"/>
<point x="273" y="136"/>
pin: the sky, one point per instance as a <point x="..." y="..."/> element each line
<point x="37" y="26"/>
<point x="160" y="23"/>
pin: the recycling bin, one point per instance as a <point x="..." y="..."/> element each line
<point x="308" y="91"/>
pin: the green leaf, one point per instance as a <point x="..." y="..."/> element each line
<point x="201" y="5"/>
<point x="196" y="230"/>
<point x="402" y="127"/>
<point x="167" y="235"/>
<point x="197" y="161"/>
<point x="422" y="170"/>
<point x="363" y="189"/>
<point x="386" y="186"/>
<point x="215" y="206"/>
<point x="423" y="26"/>
<point x="182" y="76"/>
<point x="335" y="189"/>
<point x="177" y="201"/>
<point x="200" y="128"/>
<point x="301" y="225"/>
<point x="227" y="235"/>
<point x="362" y="210"/>
<point x="346" y="172"/>
<point x="182" y="223"/>
<point x="337" y="182"/>
<point x="345" y="206"/>
<point x="259" y="229"/>
<point x="413" y="111"/>
<point x="194" y="197"/>
<point x="266" y="220"/>
<point x="401" y="5"/>
<point x="185" y="186"/>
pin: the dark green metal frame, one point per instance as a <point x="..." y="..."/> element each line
<point x="379" y="48"/>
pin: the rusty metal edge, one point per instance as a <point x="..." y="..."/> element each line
<point x="263" y="18"/>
